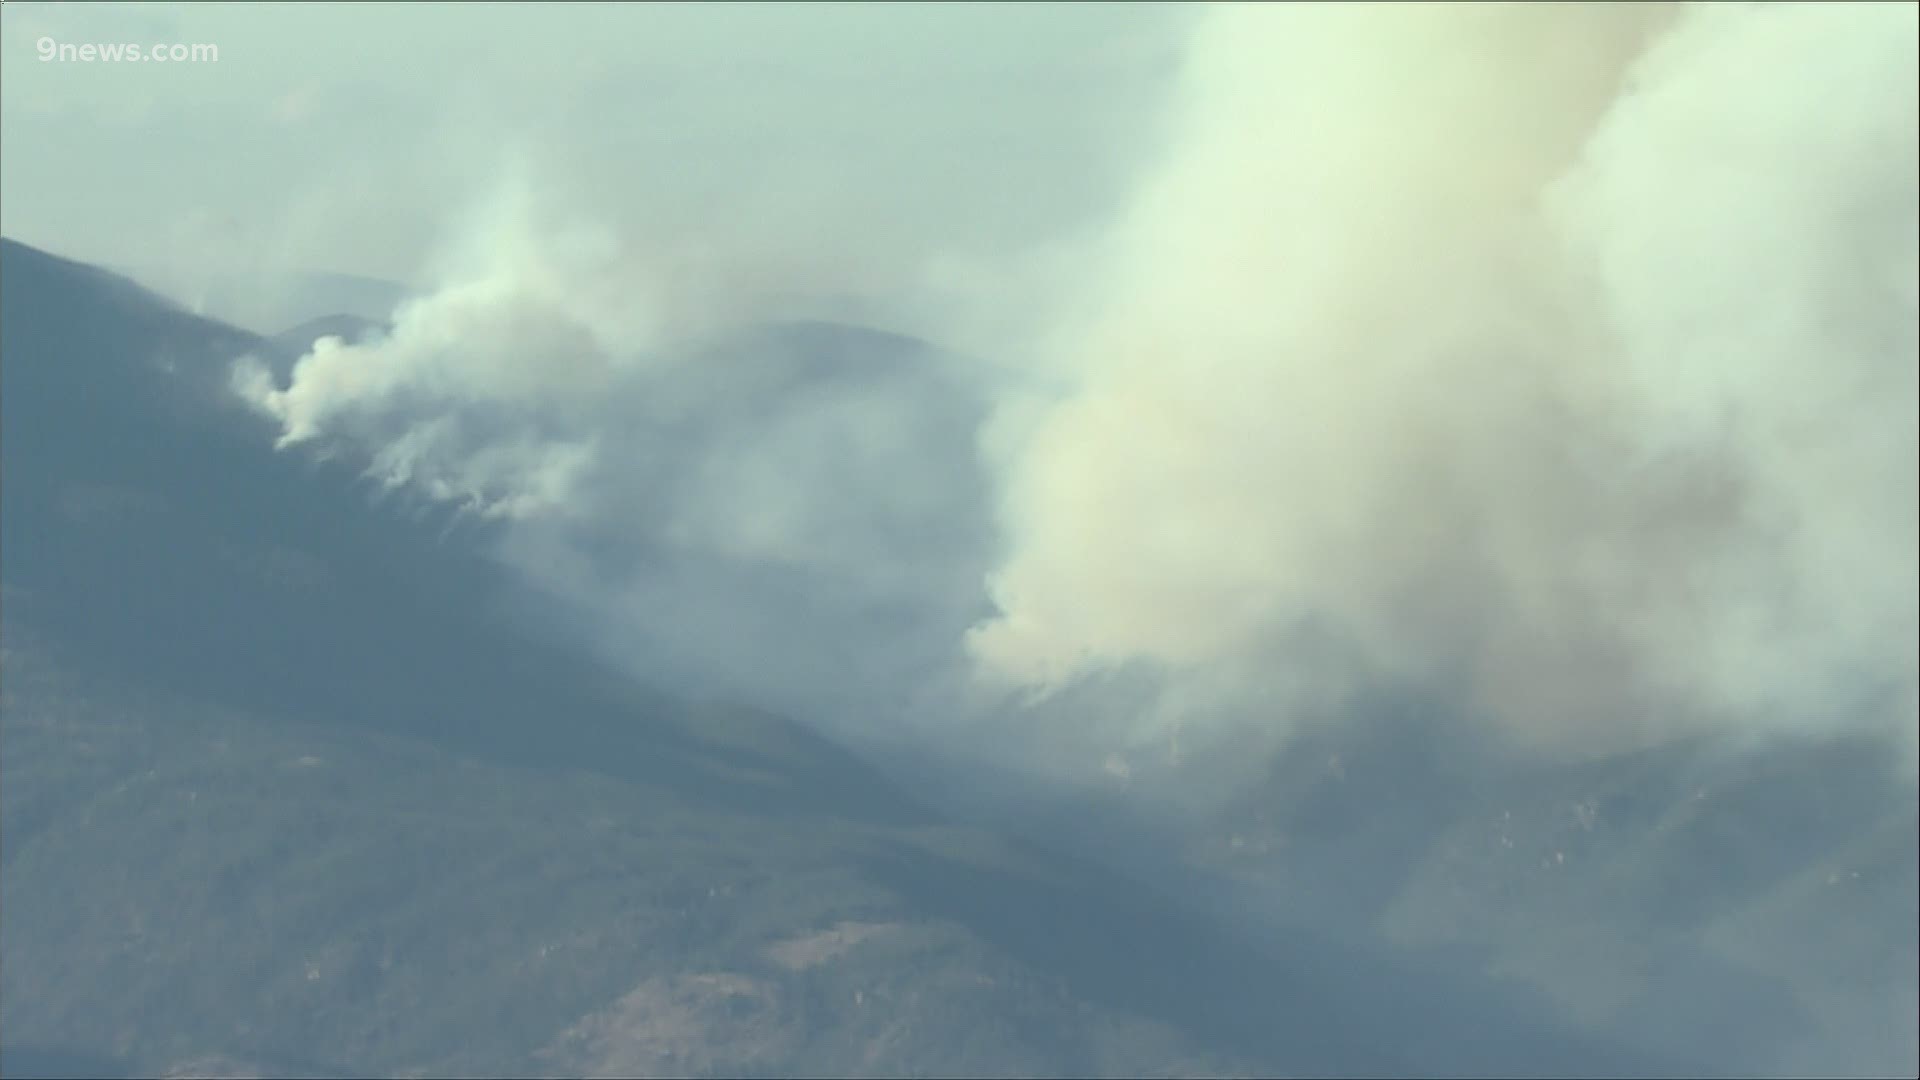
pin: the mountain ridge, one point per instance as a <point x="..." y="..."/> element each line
<point x="285" y="781"/>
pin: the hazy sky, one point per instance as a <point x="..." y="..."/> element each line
<point x="340" y="137"/>
<point x="1556" y="359"/>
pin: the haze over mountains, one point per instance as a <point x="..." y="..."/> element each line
<point x="1417" y="572"/>
<point x="285" y="787"/>
<point x="192" y="616"/>
<point x="268" y="301"/>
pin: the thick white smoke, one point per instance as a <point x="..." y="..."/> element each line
<point x="512" y="327"/>
<point x="1558" y="356"/>
<point x="489" y="390"/>
<point x="782" y="513"/>
<point x="1556" y="360"/>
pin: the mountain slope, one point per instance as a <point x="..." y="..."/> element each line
<point x="1754" y="906"/>
<point x="149" y="524"/>
<point x="285" y="783"/>
<point x="182" y="881"/>
<point x="289" y="784"/>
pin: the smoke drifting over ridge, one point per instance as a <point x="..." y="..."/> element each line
<point x="1559" y="360"/>
<point x="782" y="513"/>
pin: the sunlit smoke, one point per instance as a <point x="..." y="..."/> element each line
<point x="1560" y="357"/>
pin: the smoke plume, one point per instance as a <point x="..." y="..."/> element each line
<point x="1560" y="358"/>
<point x="1554" y="361"/>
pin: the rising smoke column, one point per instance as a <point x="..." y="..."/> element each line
<point x="1560" y="358"/>
<point x="1556" y="359"/>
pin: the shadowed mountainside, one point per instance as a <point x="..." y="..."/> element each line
<point x="288" y="786"/>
